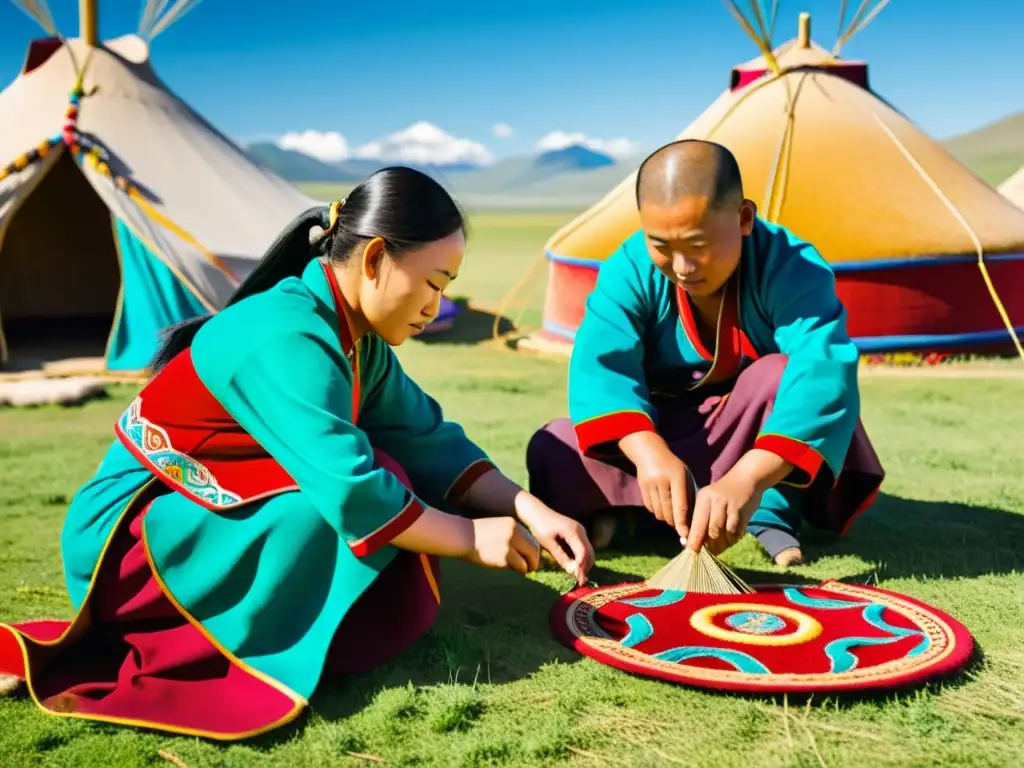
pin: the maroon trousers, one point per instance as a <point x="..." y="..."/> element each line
<point x="709" y="431"/>
<point x="133" y="657"/>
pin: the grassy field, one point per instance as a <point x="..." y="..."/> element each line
<point x="489" y="685"/>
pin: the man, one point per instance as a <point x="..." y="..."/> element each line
<point x="714" y="347"/>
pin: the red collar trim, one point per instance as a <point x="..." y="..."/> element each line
<point x="731" y="344"/>
<point x="349" y="347"/>
<point x="344" y="330"/>
<point x="690" y="323"/>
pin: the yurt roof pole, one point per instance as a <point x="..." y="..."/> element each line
<point x="804" y="27"/>
<point x="39" y="12"/>
<point x="864" y="15"/>
<point x="89" y="22"/>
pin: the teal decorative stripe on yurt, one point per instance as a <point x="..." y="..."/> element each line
<point x="152" y="298"/>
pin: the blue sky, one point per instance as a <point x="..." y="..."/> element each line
<point x="634" y="69"/>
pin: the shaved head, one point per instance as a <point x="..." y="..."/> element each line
<point x="693" y="213"/>
<point x="690" y="168"/>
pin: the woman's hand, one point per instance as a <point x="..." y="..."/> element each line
<point x="501" y="542"/>
<point x="495" y="494"/>
<point x="553" y="530"/>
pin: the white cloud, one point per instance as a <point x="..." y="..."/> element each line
<point x="425" y="143"/>
<point x="620" y="147"/>
<point x="501" y="130"/>
<point x="329" y="146"/>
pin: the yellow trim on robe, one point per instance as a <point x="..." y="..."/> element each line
<point x="425" y="560"/>
<point x="82" y="617"/>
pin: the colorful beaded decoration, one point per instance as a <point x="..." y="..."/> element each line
<point x="69" y="137"/>
<point x="84" y="150"/>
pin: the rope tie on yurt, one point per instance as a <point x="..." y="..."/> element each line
<point x="857" y="23"/>
<point x="144" y="205"/>
<point x="763" y="35"/>
<point x="68" y="135"/>
<point x="782" y="158"/>
<point x="507" y="300"/>
<point x="975" y="240"/>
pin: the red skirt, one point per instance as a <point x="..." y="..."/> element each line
<point x="132" y="656"/>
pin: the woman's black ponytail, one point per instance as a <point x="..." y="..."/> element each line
<point x="403" y="206"/>
<point x="287" y="257"/>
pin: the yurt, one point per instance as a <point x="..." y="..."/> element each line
<point x="1013" y="188"/>
<point x="928" y="257"/>
<point x="122" y="210"/>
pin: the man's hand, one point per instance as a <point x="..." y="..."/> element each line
<point x="663" y="478"/>
<point x="721" y="513"/>
<point x="723" y="509"/>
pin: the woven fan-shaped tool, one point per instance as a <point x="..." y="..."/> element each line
<point x="698" y="571"/>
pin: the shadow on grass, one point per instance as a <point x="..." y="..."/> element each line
<point x="471" y="325"/>
<point x="906" y="538"/>
<point x="493" y="625"/>
<point x="902" y="538"/>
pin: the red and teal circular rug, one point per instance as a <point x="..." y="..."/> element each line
<point x="831" y="637"/>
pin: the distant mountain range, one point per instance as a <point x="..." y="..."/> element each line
<point x="569" y="173"/>
<point x="577" y="175"/>
<point x="295" y="166"/>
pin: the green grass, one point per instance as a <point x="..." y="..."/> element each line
<point x="489" y="685"/>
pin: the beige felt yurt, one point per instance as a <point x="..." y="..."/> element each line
<point x="927" y="255"/>
<point x="122" y="210"/>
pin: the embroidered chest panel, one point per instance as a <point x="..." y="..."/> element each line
<point x="154" y="445"/>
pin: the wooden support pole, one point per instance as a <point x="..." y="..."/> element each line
<point x="89" y="22"/>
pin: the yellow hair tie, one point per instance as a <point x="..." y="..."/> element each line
<point x="336" y="207"/>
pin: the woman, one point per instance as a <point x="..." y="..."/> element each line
<point x="278" y="494"/>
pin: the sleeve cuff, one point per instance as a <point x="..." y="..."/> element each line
<point x="806" y="460"/>
<point x="386" y="533"/>
<point x="467" y="478"/>
<point x="610" y="429"/>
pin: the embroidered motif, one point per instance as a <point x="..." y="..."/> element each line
<point x="640" y="629"/>
<point x="740" y="661"/>
<point x="756" y="623"/>
<point x="155" y="446"/>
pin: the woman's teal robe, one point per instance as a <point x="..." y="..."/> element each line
<point x="270" y="579"/>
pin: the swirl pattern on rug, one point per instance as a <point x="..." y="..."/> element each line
<point x="830" y="637"/>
